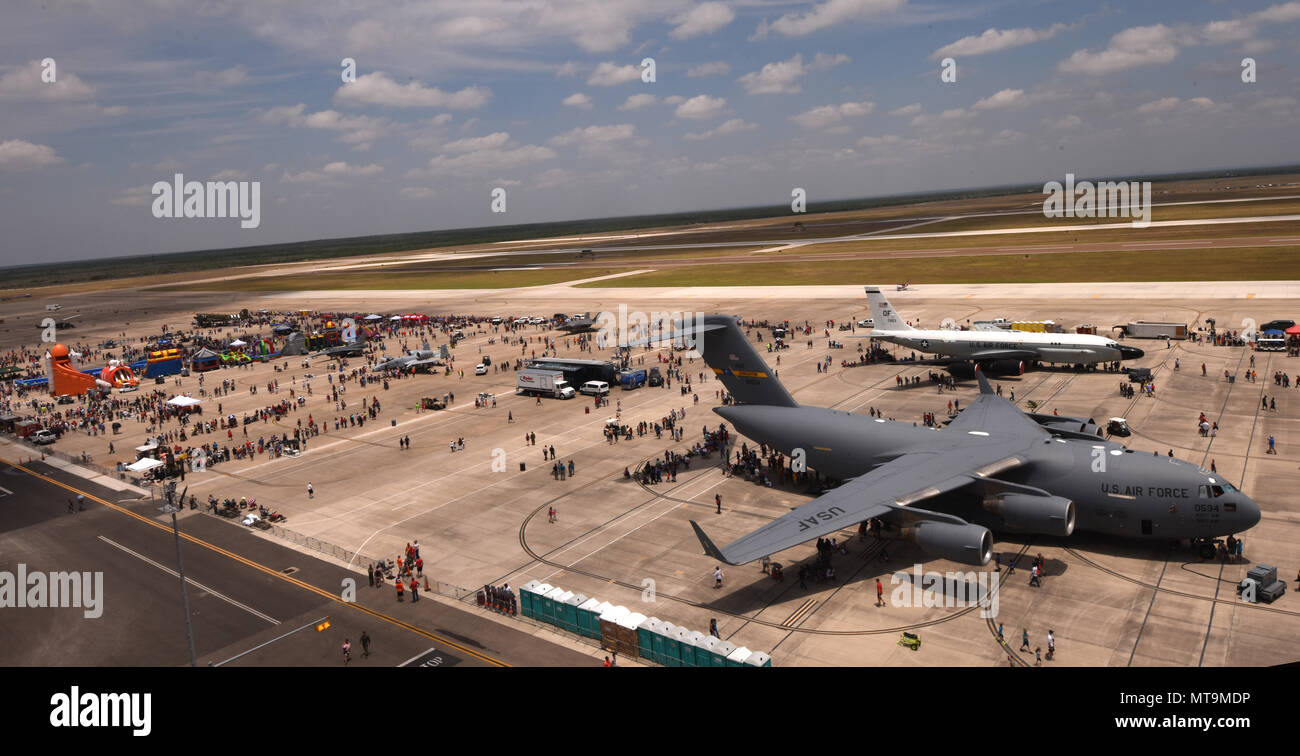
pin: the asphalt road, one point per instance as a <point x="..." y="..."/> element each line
<point x="243" y="591"/>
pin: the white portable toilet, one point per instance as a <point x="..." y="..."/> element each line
<point x="737" y="658"/>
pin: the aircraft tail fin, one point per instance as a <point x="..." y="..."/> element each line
<point x="883" y="313"/>
<point x="738" y="364"/>
<point x="709" y="547"/>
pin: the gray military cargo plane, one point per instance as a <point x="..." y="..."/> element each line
<point x="416" y="358"/>
<point x="992" y="466"/>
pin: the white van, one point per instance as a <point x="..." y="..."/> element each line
<point x="595" y="388"/>
<point x="480" y="369"/>
<point x="53" y="307"/>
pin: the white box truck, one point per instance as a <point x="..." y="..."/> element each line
<point x="533" y="382"/>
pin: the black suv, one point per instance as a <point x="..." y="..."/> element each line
<point x="655" y="378"/>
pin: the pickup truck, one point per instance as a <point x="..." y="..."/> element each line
<point x="44" y="436"/>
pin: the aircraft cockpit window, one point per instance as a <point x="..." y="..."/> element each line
<point x="1211" y="491"/>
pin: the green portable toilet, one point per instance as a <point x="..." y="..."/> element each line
<point x="685" y="651"/>
<point x="758" y="659"/>
<point x="703" y="644"/>
<point x="737" y="658"/>
<point x="539" y="602"/>
<point x="565" y="618"/>
<point x="666" y="645"/>
<point x="588" y="624"/>
<point x="570" y="611"/>
<point x="527" y="597"/>
<point x="691" y="641"/>
<point x="721" y="650"/>
<point x="549" y="605"/>
<point x="645" y="635"/>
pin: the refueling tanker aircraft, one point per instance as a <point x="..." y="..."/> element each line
<point x="993" y="466"/>
<point x="995" y="352"/>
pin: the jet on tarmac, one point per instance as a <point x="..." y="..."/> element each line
<point x="997" y="352"/>
<point x="416" y="358"/>
<point x="992" y="466"/>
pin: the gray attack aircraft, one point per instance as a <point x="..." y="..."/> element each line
<point x="993" y="466"/>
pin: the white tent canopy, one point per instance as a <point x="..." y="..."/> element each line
<point x="238" y="342"/>
<point x="396" y="317"/>
<point x="373" y="316"/>
<point x="184" y="401"/>
<point x="144" y="465"/>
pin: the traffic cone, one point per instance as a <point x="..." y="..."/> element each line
<point x="426" y="583"/>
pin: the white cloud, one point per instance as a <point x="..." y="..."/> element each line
<point x="907" y="110"/>
<point x="781" y="77"/>
<point x="1134" y="47"/>
<point x="718" y="68"/>
<point x="595" y="134"/>
<point x="578" y="100"/>
<point x="229" y="77"/>
<point x="733" y="126"/>
<point x="1280" y="14"/>
<point x="25" y="83"/>
<point x="135" y="196"/>
<point x="568" y="69"/>
<point x="995" y="40"/>
<point x="827" y="14"/>
<point x="343" y="169"/>
<point x="704" y="18"/>
<point x="1006" y="98"/>
<point x="417" y="192"/>
<point x="701" y="107"/>
<point x="229" y="174"/>
<point x="610" y="74"/>
<point x="674" y="100"/>
<point x="21" y="155"/>
<point x="494" y="161"/>
<point x="1063" y="123"/>
<point x="359" y="131"/>
<point x="829" y="115"/>
<point x="377" y="89"/>
<point x="473" y="144"/>
<point x="1163" y="105"/>
<point x="637" y="101"/>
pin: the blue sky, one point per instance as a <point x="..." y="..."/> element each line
<point x="544" y="98"/>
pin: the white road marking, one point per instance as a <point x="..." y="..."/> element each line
<point x="191" y="581"/>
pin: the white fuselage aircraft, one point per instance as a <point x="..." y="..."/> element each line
<point x="985" y="347"/>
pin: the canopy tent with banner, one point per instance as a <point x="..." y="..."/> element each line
<point x="144" y="465"/>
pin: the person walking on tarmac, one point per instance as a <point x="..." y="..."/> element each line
<point x="717" y="499"/>
<point x="401" y="588"/>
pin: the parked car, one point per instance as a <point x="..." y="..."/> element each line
<point x="480" y="369"/>
<point x="655" y="378"/>
<point x="44" y="436"/>
<point x="595" y="388"/>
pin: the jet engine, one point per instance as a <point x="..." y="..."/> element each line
<point x="966" y="370"/>
<point x="968" y="544"/>
<point x="1048" y="515"/>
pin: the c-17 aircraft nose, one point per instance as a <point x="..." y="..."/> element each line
<point x="1248" y="514"/>
<point x="1130" y="353"/>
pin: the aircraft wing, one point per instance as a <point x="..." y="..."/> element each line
<point x="992" y="414"/>
<point x="888" y="489"/>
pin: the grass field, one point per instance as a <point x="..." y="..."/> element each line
<point x="506" y="279"/>
<point x="1247" y="264"/>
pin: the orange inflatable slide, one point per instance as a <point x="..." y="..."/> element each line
<point x="66" y="379"/>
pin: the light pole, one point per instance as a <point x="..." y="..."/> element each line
<point x="171" y="508"/>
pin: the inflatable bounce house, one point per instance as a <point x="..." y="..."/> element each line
<point x="63" y="378"/>
<point x="205" y="359"/>
<point x="161" y="362"/>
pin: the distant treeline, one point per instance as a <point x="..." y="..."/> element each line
<point x="28" y="276"/>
